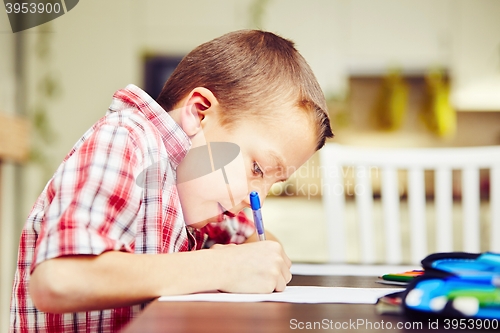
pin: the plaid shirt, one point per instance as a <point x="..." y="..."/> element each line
<point x="96" y="203"/>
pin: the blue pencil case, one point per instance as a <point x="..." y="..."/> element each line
<point x="465" y="265"/>
<point x="456" y="285"/>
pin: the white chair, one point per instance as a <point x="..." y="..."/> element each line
<point x="335" y="158"/>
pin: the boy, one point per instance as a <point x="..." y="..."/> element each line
<point x="128" y="217"/>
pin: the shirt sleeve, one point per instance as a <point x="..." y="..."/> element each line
<point x="93" y="199"/>
<point x="231" y="231"/>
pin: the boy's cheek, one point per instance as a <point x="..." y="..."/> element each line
<point x="199" y="197"/>
<point x="237" y="179"/>
<point x="201" y="189"/>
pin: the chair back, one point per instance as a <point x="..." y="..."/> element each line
<point x="386" y="162"/>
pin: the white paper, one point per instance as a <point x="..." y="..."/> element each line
<point x="294" y="294"/>
<point x="348" y="270"/>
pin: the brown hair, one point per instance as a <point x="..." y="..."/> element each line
<point x="249" y="72"/>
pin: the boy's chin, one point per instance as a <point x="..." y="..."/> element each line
<point x="198" y="225"/>
<point x="201" y="224"/>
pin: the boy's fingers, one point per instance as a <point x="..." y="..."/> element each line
<point x="280" y="285"/>
<point x="288" y="262"/>
<point x="285" y="269"/>
<point x="285" y="273"/>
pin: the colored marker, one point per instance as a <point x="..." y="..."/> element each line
<point x="403" y="277"/>
<point x="257" y="215"/>
<point x="485" y="296"/>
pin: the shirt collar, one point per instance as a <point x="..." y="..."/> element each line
<point x="176" y="141"/>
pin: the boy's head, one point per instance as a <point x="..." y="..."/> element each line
<point x="252" y="73"/>
<point x="251" y="88"/>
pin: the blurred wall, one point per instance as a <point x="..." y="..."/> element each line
<point x="97" y="49"/>
<point x="7" y="233"/>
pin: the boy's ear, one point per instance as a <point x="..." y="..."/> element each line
<point x="198" y="102"/>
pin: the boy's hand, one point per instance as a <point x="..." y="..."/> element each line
<point x="110" y="280"/>
<point x="260" y="267"/>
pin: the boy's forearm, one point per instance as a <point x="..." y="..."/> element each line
<point x="115" y="279"/>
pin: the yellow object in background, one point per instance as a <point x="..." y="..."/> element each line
<point x="438" y="114"/>
<point x="390" y="110"/>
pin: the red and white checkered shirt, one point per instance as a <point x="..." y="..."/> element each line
<point x="96" y="203"/>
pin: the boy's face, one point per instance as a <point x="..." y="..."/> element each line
<point x="269" y="152"/>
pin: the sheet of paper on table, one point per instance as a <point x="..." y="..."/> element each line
<point x="295" y="294"/>
<point x="348" y="269"/>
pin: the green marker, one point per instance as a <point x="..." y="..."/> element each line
<point x="487" y="296"/>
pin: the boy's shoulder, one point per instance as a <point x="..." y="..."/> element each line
<point x="126" y="125"/>
<point x="130" y="117"/>
<point x="131" y="120"/>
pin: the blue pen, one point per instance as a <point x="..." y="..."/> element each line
<point x="257" y="215"/>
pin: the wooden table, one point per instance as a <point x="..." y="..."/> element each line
<point x="193" y="317"/>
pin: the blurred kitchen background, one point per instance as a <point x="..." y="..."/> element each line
<point x="396" y="74"/>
